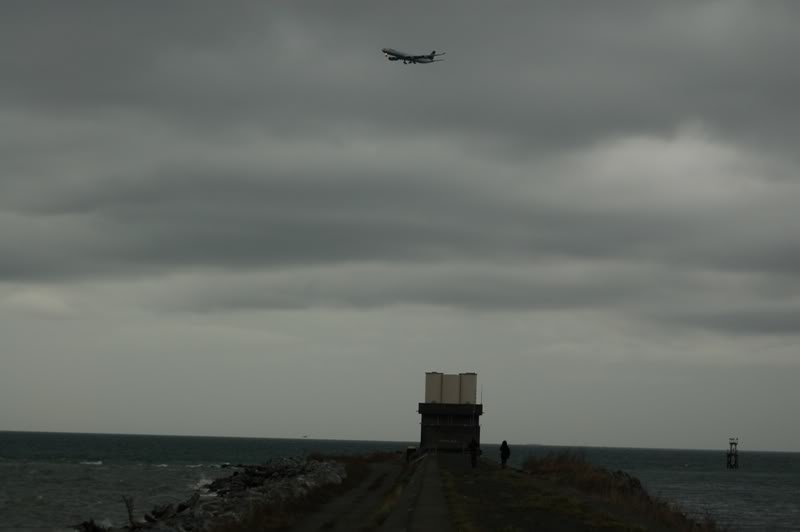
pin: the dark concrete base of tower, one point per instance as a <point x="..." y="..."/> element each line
<point x="449" y="427"/>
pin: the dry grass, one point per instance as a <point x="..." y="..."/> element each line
<point x="570" y="468"/>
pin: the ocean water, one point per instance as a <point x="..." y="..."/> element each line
<point x="49" y="481"/>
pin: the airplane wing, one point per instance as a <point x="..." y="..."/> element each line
<point x="427" y="56"/>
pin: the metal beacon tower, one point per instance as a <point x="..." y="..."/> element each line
<point x="733" y="454"/>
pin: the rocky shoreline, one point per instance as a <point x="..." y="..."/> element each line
<point x="229" y="499"/>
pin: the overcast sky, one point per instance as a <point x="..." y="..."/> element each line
<point x="240" y="219"/>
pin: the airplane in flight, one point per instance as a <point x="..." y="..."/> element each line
<point x="395" y="55"/>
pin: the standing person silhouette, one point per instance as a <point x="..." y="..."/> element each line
<point x="473" y="452"/>
<point x="505" y="452"/>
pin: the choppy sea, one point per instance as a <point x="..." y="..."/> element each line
<point x="49" y="481"/>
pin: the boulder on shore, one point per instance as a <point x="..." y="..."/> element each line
<point x="229" y="498"/>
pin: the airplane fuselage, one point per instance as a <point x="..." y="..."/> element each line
<point x="396" y="55"/>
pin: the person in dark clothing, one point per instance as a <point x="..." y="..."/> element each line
<point x="505" y="452"/>
<point x="474" y="450"/>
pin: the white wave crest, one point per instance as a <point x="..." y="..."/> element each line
<point x="92" y="462"/>
<point x="201" y="484"/>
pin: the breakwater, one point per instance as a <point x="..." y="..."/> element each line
<point x="228" y="499"/>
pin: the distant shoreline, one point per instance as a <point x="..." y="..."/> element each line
<point x="720" y="448"/>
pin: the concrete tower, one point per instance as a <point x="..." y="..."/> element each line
<point x="450" y="413"/>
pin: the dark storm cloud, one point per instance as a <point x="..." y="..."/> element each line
<point x="588" y="201"/>
<point x="147" y="139"/>
<point x="747" y="322"/>
<point x="524" y="76"/>
<point x="479" y="287"/>
<point x="248" y="222"/>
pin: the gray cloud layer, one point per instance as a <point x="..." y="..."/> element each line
<point x="625" y="159"/>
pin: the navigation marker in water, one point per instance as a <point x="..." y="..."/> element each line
<point x="733" y="454"/>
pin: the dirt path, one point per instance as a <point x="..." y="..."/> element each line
<point x="419" y="507"/>
<point x="355" y="509"/>
<point x="422" y="506"/>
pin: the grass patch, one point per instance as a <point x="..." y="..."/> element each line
<point x="617" y="488"/>
<point x="560" y="491"/>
